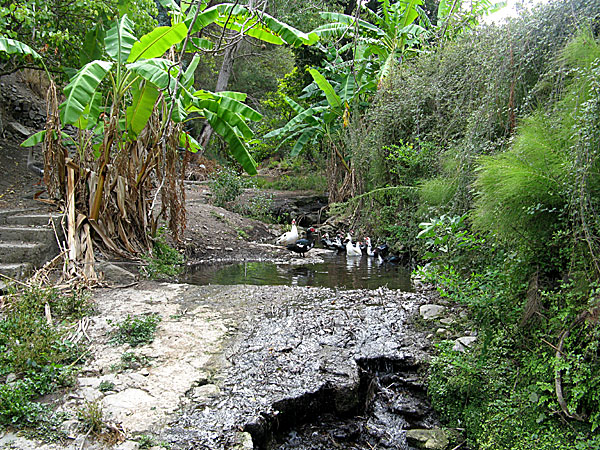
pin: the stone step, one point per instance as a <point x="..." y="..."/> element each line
<point x="39" y="220"/>
<point x="27" y="234"/>
<point x="15" y="270"/>
<point x="12" y="212"/>
<point x="22" y="252"/>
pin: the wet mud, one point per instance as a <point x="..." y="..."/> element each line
<point x="313" y="368"/>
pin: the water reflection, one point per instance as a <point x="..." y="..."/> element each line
<point x="335" y="271"/>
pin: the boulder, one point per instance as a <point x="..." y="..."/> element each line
<point x="431" y="312"/>
<point x="463" y="343"/>
<point x="115" y="274"/>
<point x="434" y="439"/>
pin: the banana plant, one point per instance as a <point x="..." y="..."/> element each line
<point x="323" y="118"/>
<point x="389" y="36"/>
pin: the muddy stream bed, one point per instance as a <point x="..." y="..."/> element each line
<point x="293" y="364"/>
<point x="310" y="367"/>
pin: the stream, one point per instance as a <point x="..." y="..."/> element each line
<point x="324" y="356"/>
<point x="336" y="270"/>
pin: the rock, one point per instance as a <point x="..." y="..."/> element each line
<point x="447" y="321"/>
<point x="115" y="274"/>
<point x="70" y="428"/>
<point x="434" y="439"/>
<point x="128" y="445"/>
<point x="21" y="129"/>
<point x="244" y="442"/>
<point x="431" y="312"/>
<point x="11" y="377"/>
<point x="205" y="392"/>
<point x="144" y="372"/>
<point x="443" y="332"/>
<point x="463" y="343"/>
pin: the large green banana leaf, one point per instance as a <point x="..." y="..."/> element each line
<point x="333" y="99"/>
<point x="239" y="108"/>
<point x="91" y="113"/>
<point x="302" y="140"/>
<point x="263" y="27"/>
<point x="92" y="45"/>
<point x="120" y="39"/>
<point x="196" y="44"/>
<point x="234" y="120"/>
<point x="296" y="121"/>
<point x="157" y="42"/>
<point x="348" y="20"/>
<point x="144" y="98"/>
<point x="81" y="89"/>
<point x="160" y="72"/>
<point x="236" y="146"/>
<point x="12" y="46"/>
<point x="239" y="96"/>
<point x="187" y="79"/>
<point x="187" y="141"/>
<point x="39" y="137"/>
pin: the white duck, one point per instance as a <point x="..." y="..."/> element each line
<point x="352" y="249"/>
<point x="290" y="237"/>
<point x="370" y="251"/>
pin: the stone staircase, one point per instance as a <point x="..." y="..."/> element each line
<point x="27" y="241"/>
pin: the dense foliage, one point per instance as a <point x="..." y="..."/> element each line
<point x="498" y="133"/>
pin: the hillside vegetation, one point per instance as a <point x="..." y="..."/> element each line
<point x="472" y="149"/>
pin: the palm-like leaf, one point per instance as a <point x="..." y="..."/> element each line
<point x="12" y="46"/>
<point x="160" y="72"/>
<point x="120" y="39"/>
<point x="144" y="98"/>
<point x="81" y="89"/>
<point x="157" y="42"/>
<point x="258" y="25"/>
<point x="236" y="146"/>
<point x="333" y="99"/>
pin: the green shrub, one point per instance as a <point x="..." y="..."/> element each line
<point x="258" y="206"/>
<point x="37" y="355"/>
<point x="226" y="186"/>
<point x="164" y="260"/>
<point x="136" y="330"/>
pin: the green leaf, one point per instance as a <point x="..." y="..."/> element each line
<point x="350" y="20"/>
<point x="204" y="19"/>
<point x="301" y="142"/>
<point x="332" y="98"/>
<point x="300" y="119"/>
<point x="157" y="42"/>
<point x="120" y="39"/>
<point x="348" y="88"/>
<point x="335" y="29"/>
<point x="35" y="139"/>
<point x="196" y="44"/>
<point x="81" y="88"/>
<point x="295" y="106"/>
<point x="92" y="45"/>
<point x="239" y="108"/>
<point x="158" y="71"/>
<point x="236" y="147"/>
<point x="12" y="46"/>
<point x="239" y="96"/>
<point x="187" y="79"/>
<point x="187" y="141"/>
<point x="144" y="98"/>
<point x="263" y="26"/>
<point x="170" y="5"/>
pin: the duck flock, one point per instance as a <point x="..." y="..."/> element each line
<point x="292" y="241"/>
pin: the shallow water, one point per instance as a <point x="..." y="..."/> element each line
<point x="336" y="271"/>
